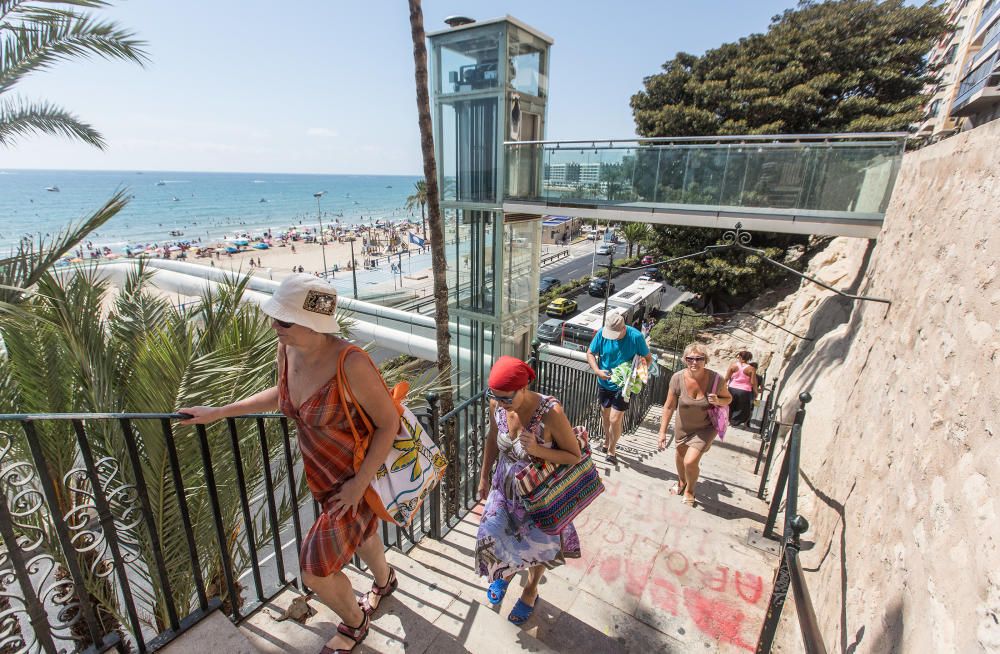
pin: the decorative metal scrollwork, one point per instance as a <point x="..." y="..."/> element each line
<point x="736" y="237"/>
<point x="47" y="580"/>
<point x="83" y="518"/>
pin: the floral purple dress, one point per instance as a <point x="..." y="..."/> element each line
<point x="508" y="540"/>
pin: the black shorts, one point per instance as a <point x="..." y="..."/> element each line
<point x="611" y="399"/>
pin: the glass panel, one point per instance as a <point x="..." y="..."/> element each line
<point x="469" y="150"/>
<point x="519" y="285"/>
<point x="836" y="176"/>
<point x="449" y="152"/>
<point x="470" y="61"/>
<point x="526" y="63"/>
<point x="473" y="261"/>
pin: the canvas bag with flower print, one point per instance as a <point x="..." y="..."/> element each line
<point x="414" y="465"/>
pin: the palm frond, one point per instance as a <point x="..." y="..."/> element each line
<point x="10" y="8"/>
<point x="45" y="37"/>
<point x="26" y="265"/>
<point x="23" y="118"/>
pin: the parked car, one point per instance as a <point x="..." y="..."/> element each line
<point x="651" y="275"/>
<point x="550" y="331"/>
<point x="546" y="284"/>
<point x="560" y="307"/>
<point x="648" y="259"/>
<point x="598" y="286"/>
<point x="606" y="248"/>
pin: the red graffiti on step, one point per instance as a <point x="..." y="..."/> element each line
<point x="716" y="618"/>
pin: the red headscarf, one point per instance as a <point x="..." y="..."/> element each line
<point x="510" y="374"/>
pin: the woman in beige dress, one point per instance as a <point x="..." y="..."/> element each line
<point x="690" y="395"/>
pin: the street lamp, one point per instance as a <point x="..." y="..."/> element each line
<point x="322" y="241"/>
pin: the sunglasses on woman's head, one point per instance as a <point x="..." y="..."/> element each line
<point x="502" y="399"/>
<point x="694" y="359"/>
<point x="282" y="323"/>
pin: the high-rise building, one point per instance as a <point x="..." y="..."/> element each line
<point x="977" y="99"/>
<point x="950" y="54"/>
<point x="966" y="93"/>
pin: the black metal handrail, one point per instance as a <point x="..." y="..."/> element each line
<point x="123" y="529"/>
<point x="156" y="525"/>
<point x="789" y="572"/>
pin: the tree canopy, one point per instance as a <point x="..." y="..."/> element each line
<point x="834" y="66"/>
<point x="823" y="67"/>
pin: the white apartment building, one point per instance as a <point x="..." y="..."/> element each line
<point x="966" y="91"/>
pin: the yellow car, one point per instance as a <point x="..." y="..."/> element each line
<point x="560" y="307"/>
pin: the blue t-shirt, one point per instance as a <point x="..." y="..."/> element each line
<point x="611" y="354"/>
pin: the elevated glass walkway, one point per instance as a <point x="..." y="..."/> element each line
<point x="828" y="184"/>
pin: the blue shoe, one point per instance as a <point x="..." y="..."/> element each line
<point x="521" y="612"/>
<point x="496" y="591"/>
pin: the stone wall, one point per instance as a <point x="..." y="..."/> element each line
<point x="900" y="475"/>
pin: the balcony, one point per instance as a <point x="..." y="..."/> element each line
<point x="990" y="10"/>
<point x="979" y="88"/>
<point x="816" y="184"/>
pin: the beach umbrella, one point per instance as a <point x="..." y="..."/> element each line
<point x="175" y="248"/>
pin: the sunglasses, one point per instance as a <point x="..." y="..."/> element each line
<point x="694" y="359"/>
<point x="502" y="399"/>
<point x="282" y="323"/>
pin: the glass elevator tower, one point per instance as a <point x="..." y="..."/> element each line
<point x="489" y="84"/>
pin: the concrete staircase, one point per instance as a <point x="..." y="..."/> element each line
<point x="655" y="575"/>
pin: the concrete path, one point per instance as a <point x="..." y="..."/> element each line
<point x="655" y="576"/>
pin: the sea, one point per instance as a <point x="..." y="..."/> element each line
<point x="206" y="206"/>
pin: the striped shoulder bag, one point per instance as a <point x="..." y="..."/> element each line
<point x="554" y="494"/>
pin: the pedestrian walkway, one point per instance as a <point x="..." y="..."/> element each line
<point x="655" y="576"/>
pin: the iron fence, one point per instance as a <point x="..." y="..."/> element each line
<point x="121" y="531"/>
<point x="789" y="572"/>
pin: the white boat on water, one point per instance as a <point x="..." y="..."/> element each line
<point x="52" y="189"/>
<point x="161" y="183"/>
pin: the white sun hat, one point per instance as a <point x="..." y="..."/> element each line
<point x="305" y="300"/>
<point x="615" y="327"/>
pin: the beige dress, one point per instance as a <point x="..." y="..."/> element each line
<point x="692" y="426"/>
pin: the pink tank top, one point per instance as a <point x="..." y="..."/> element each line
<point x="740" y="378"/>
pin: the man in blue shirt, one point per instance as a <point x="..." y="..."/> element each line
<point x="614" y="345"/>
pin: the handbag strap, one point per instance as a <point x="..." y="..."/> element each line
<point x="360" y="448"/>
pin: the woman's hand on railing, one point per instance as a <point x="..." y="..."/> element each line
<point x="200" y="415"/>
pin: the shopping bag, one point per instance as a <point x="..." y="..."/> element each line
<point x="554" y="494"/>
<point x="413" y="467"/>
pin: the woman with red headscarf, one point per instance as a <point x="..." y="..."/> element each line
<point x="524" y="425"/>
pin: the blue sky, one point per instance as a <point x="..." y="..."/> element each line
<point x="327" y="86"/>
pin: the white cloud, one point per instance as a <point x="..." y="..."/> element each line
<point x="324" y="132"/>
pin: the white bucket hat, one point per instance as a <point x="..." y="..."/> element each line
<point x="615" y="327"/>
<point x="305" y="300"/>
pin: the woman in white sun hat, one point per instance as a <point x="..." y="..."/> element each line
<point x="310" y="354"/>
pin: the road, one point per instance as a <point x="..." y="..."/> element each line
<point x="580" y="265"/>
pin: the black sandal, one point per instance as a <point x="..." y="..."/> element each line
<point x="357" y="634"/>
<point x="380" y="591"/>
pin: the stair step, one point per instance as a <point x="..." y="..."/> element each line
<point x="216" y="633"/>
<point x="429" y="612"/>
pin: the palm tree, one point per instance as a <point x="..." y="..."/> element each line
<point x="440" y="268"/>
<point x="34" y="36"/>
<point x="419" y="199"/>
<point x="635" y="234"/>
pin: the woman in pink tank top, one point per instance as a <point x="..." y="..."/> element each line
<point x="741" y="379"/>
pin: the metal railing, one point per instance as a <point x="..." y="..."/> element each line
<point x="124" y="530"/>
<point x="789" y="572"/>
<point x="850" y="174"/>
<point x="576" y="388"/>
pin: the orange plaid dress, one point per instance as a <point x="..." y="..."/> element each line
<point x="327" y="446"/>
